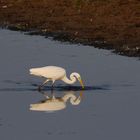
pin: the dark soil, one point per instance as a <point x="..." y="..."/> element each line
<point x="109" y="24"/>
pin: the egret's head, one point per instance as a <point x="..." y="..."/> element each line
<point x="77" y="75"/>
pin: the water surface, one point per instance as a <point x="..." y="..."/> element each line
<point x="109" y="105"/>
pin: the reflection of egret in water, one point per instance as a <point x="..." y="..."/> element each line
<point x="53" y="103"/>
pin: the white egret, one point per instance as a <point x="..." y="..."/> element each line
<point x="53" y="73"/>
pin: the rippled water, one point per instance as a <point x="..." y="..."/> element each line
<point x="107" y="109"/>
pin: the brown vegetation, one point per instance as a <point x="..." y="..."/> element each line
<point x="110" y="24"/>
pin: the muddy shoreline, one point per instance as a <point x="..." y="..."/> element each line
<point x="104" y="24"/>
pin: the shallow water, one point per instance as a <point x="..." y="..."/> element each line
<point x="107" y="109"/>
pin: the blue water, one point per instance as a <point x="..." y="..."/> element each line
<point x="108" y="108"/>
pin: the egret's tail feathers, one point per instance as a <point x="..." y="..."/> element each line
<point x="34" y="71"/>
<point x="31" y="71"/>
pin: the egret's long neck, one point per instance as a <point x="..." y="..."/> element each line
<point x="69" y="81"/>
<point x="68" y="96"/>
<point x="73" y="99"/>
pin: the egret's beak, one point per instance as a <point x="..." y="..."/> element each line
<point x="81" y="82"/>
<point x="81" y="94"/>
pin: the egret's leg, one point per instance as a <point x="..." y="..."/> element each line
<point x="39" y="88"/>
<point x="52" y="84"/>
<point x="52" y="93"/>
<point x="45" y="94"/>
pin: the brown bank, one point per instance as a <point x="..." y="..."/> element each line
<point x="109" y="24"/>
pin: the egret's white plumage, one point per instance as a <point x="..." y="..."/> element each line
<point x="50" y="72"/>
<point x="53" y="73"/>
